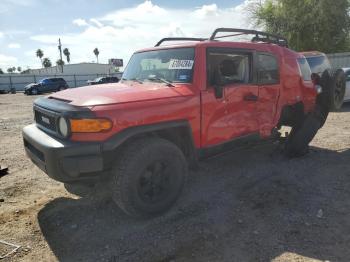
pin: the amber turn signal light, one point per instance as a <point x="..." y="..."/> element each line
<point x="95" y="125"/>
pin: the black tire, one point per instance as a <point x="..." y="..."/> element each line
<point x="298" y="141"/>
<point x="148" y="177"/>
<point x="336" y="89"/>
<point x="61" y="88"/>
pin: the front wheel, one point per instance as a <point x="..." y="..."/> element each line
<point x="148" y="177"/>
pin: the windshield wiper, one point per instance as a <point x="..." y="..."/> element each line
<point x="152" y="78"/>
<point x="133" y="79"/>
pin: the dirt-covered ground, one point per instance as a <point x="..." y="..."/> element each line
<point x="249" y="205"/>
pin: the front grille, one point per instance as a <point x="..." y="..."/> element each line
<point x="46" y="120"/>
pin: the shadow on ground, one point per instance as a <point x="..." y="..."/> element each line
<point x="251" y="205"/>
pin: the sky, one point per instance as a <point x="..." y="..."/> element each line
<point x="116" y="27"/>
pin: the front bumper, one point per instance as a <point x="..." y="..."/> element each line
<point x="63" y="161"/>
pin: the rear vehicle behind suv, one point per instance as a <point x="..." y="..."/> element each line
<point x="175" y="106"/>
<point x="46" y="85"/>
<point x="320" y="64"/>
<point x="103" y="80"/>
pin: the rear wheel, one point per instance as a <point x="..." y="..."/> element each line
<point x="149" y="177"/>
<point x="297" y="143"/>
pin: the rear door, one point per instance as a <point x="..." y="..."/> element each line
<point x="268" y="74"/>
<point x="235" y="114"/>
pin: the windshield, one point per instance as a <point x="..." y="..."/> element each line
<point x="318" y="64"/>
<point x="171" y="65"/>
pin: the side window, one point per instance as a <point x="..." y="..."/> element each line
<point x="231" y="66"/>
<point x="305" y="70"/>
<point x="268" y="72"/>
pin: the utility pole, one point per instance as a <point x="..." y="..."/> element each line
<point x="60" y="49"/>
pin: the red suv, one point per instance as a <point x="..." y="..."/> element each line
<point x="175" y="105"/>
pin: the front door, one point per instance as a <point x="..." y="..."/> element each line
<point x="234" y="114"/>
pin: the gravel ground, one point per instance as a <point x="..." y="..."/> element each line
<point x="248" y="205"/>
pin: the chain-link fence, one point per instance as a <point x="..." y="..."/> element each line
<point x="339" y="60"/>
<point x="19" y="81"/>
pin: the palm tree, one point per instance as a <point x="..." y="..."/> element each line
<point x="19" y="69"/>
<point x="13" y="69"/>
<point x="9" y="70"/>
<point x="67" y="54"/>
<point x="60" y="62"/>
<point x="96" y="52"/>
<point x="47" y="63"/>
<point x="1" y="72"/>
<point x="40" y="54"/>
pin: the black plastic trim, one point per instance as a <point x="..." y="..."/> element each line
<point x="227" y="146"/>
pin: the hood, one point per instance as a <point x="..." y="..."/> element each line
<point x="30" y="85"/>
<point x="116" y="93"/>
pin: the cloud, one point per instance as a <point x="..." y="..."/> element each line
<point x="6" y="61"/>
<point x="96" y="22"/>
<point x="80" y="22"/>
<point x="1" y="34"/>
<point x="207" y="11"/>
<point x="119" y="33"/>
<point x="14" y="45"/>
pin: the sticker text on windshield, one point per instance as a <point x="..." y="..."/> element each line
<point x="180" y="64"/>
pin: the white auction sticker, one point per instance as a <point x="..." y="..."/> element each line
<point x="180" y="64"/>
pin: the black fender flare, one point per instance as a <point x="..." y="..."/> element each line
<point x="123" y="136"/>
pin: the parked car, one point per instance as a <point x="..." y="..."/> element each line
<point x="319" y="64"/>
<point x="46" y="85"/>
<point x="176" y="105"/>
<point x="103" y="80"/>
<point x="10" y="90"/>
<point x="347" y="92"/>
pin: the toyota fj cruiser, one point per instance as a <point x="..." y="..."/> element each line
<point x="175" y="105"/>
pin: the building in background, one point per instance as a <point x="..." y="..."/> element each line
<point x="75" y="69"/>
<point x="76" y="75"/>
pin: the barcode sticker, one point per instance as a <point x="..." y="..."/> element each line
<point x="180" y="64"/>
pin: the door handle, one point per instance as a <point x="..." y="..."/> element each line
<point x="250" y="97"/>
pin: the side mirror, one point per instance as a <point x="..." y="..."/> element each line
<point x="219" y="83"/>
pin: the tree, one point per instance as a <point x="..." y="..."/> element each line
<point x="321" y="25"/>
<point x="19" y="69"/>
<point x="9" y="70"/>
<point x="40" y="54"/>
<point x="13" y="69"/>
<point x="60" y="62"/>
<point x="96" y="52"/>
<point x="1" y="72"/>
<point x="46" y="62"/>
<point x="67" y="54"/>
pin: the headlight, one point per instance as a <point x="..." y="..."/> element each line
<point x="63" y="127"/>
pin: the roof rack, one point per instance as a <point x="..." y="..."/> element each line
<point x="180" y="39"/>
<point x="259" y="36"/>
